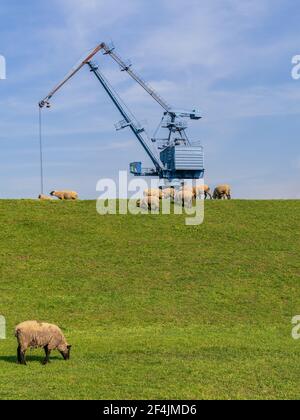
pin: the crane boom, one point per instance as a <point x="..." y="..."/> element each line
<point x="127" y="67"/>
<point x="128" y="120"/>
<point x="46" y="100"/>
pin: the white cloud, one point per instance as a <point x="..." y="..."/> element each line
<point x="90" y="20"/>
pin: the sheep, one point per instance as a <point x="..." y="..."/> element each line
<point x="43" y="197"/>
<point x="168" y="193"/>
<point x="149" y="203"/>
<point x="222" y="192"/>
<point x="65" y="195"/>
<point x="33" y="334"/>
<point x="154" y="193"/>
<point x="184" y="197"/>
<point x="187" y="188"/>
<point x="202" y="189"/>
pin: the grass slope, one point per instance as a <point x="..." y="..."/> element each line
<point x="154" y="309"/>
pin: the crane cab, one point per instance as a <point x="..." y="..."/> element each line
<point x="183" y="162"/>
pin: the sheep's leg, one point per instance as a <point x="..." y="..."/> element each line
<point x="23" y="357"/>
<point x="47" y="358"/>
<point x="19" y="355"/>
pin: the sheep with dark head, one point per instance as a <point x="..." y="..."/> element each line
<point x="43" y="197"/>
<point x="149" y="203"/>
<point x="201" y="190"/>
<point x="184" y="197"/>
<point x="65" y="195"/>
<point x="33" y="334"/>
<point x="222" y="192"/>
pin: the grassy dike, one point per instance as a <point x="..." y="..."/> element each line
<point x="154" y="309"/>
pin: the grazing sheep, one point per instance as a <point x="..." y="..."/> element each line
<point x="202" y="189"/>
<point x="153" y="193"/>
<point x="43" y="197"/>
<point x="149" y="203"/>
<point x="186" y="188"/>
<point x="168" y="193"/>
<point x="184" y="198"/>
<point x="33" y="334"/>
<point x="222" y="192"/>
<point x="65" y="195"/>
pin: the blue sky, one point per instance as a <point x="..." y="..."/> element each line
<point x="229" y="58"/>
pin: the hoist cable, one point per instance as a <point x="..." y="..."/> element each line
<point x="41" y="151"/>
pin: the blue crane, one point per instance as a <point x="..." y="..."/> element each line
<point x="174" y="157"/>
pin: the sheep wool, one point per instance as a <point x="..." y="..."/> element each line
<point x="149" y="203"/>
<point x="33" y="334"/>
<point x="43" y="197"/>
<point x="65" y="195"/>
<point x="168" y="193"/>
<point x="153" y="193"/>
<point x="222" y="192"/>
<point x="185" y="198"/>
<point x="202" y="189"/>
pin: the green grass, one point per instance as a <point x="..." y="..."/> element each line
<point x="154" y="309"/>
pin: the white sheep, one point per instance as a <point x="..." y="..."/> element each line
<point x="184" y="198"/>
<point x="43" y="197"/>
<point x="65" y="195"/>
<point x="222" y="192"/>
<point x="149" y="203"/>
<point x="168" y="193"/>
<point x="202" y="190"/>
<point x="153" y="192"/>
<point x="33" y="334"/>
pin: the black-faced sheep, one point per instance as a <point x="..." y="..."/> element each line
<point x="33" y="334"/>
<point x="184" y="197"/>
<point x="202" y="189"/>
<point x="168" y="193"/>
<point x="43" y="197"/>
<point x="65" y="195"/>
<point x="154" y="192"/>
<point x="222" y="192"/>
<point x="149" y="203"/>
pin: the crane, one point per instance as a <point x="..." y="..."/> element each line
<point x="174" y="156"/>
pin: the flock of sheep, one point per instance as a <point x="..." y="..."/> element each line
<point x="184" y="196"/>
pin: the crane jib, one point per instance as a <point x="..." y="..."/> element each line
<point x="46" y="100"/>
<point x="137" y="131"/>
